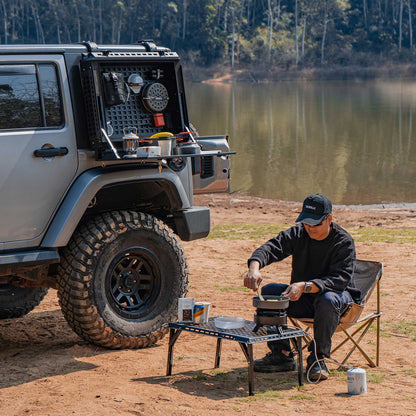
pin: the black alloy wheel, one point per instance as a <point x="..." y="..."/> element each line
<point x="133" y="282"/>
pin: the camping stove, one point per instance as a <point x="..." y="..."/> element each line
<point x="271" y="311"/>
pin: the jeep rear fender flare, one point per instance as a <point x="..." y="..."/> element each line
<point x="86" y="187"/>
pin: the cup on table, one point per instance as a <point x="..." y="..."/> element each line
<point x="201" y="312"/>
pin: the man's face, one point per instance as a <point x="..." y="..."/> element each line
<point x="320" y="231"/>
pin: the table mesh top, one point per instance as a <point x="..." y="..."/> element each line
<point x="244" y="334"/>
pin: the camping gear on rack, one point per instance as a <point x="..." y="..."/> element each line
<point x="159" y="119"/>
<point x="135" y="83"/>
<point x="114" y="87"/>
<point x="155" y="97"/>
<point x="131" y="89"/>
<point x="166" y="141"/>
<point x="130" y="140"/>
<point x="148" y="151"/>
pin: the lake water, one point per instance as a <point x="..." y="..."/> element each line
<point x="352" y="141"/>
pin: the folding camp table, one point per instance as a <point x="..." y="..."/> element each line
<point x="244" y="336"/>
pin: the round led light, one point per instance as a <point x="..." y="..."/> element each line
<point x="135" y="83"/>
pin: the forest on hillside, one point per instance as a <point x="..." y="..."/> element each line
<point x="239" y="33"/>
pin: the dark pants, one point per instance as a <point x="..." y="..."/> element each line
<point x="325" y="309"/>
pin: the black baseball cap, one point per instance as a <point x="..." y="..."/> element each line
<point x="315" y="209"/>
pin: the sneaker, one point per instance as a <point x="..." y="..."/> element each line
<point x="316" y="369"/>
<point x="273" y="363"/>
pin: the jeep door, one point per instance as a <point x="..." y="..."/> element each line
<point x="38" y="157"/>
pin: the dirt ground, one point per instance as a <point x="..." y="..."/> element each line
<point x="46" y="369"/>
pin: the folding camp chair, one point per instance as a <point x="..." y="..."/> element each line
<point x="366" y="277"/>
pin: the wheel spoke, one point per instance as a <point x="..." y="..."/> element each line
<point x="146" y="277"/>
<point x="139" y="266"/>
<point x="133" y="280"/>
<point x="118" y="269"/>
<point x="120" y="296"/>
<point x="143" y="286"/>
<point x="129" y="263"/>
<point x="130" y="301"/>
<point x="137" y="299"/>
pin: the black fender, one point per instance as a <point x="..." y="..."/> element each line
<point x="86" y="187"/>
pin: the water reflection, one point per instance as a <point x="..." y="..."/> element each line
<point x="350" y="140"/>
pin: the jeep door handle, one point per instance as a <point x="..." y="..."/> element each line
<point x="51" y="151"/>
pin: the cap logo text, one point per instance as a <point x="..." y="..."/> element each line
<point x="310" y="207"/>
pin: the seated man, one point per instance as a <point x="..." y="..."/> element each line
<point x="323" y="257"/>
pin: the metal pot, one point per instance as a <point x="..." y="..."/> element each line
<point x="271" y="302"/>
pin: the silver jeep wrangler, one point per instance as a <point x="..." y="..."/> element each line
<point x="99" y="164"/>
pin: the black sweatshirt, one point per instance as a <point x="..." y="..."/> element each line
<point x="328" y="263"/>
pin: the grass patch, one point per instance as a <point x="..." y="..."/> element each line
<point x="268" y="395"/>
<point x="383" y="235"/>
<point x="220" y="374"/>
<point x="200" y="376"/>
<point x="339" y="374"/>
<point x="253" y="231"/>
<point x="409" y="372"/>
<point x="374" y="376"/>
<point x="301" y="396"/>
<point x="232" y="289"/>
<point x="384" y="331"/>
<point x="407" y="328"/>
<point x="242" y="377"/>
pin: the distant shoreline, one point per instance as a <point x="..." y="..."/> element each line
<point x="237" y="198"/>
<point x="225" y="74"/>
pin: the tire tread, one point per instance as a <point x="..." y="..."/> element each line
<point x="76" y="270"/>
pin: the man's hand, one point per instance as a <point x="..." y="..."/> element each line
<point x="253" y="278"/>
<point x="294" y="291"/>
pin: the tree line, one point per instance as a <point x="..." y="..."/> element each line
<point x="287" y="33"/>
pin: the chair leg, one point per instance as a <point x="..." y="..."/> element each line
<point x="378" y="341"/>
<point x="352" y="335"/>
<point x="356" y="345"/>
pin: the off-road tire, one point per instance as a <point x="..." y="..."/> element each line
<point x="19" y="301"/>
<point x="120" y="278"/>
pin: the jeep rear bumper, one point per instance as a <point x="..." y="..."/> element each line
<point x="192" y="223"/>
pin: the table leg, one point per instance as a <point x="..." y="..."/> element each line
<point x="300" y="361"/>
<point x="248" y="352"/>
<point x="218" y="353"/>
<point x="173" y="336"/>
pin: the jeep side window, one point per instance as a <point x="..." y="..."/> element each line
<point x="19" y="97"/>
<point x="29" y="97"/>
<point x="52" y="99"/>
